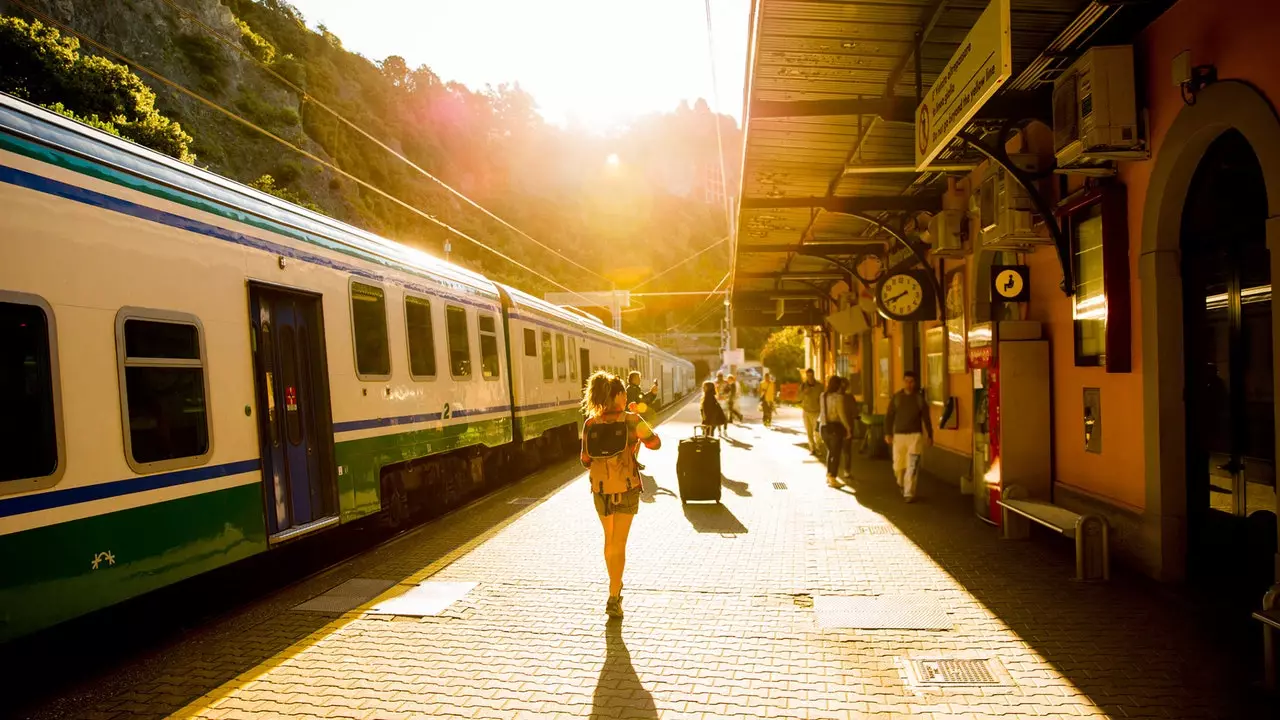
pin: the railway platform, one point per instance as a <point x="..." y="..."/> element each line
<point x="791" y="599"/>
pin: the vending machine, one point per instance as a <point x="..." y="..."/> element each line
<point x="1012" y="428"/>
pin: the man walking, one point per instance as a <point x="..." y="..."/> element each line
<point x="768" y="389"/>
<point x="909" y="430"/>
<point x="731" y="398"/>
<point x="811" y="404"/>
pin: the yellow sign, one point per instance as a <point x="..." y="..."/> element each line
<point x="980" y="66"/>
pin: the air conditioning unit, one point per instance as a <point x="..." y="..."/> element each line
<point x="1005" y="212"/>
<point x="1095" y="110"/>
<point x="945" y="233"/>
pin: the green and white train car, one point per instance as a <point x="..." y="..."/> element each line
<point x="192" y="372"/>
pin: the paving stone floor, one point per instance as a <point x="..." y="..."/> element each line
<point x="720" y="619"/>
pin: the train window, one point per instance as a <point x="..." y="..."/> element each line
<point x="164" y="389"/>
<point x="422" y="339"/>
<point x="561" y="365"/>
<point x="530" y="343"/>
<point x="455" y="320"/>
<point x="369" y="329"/>
<point x="29" y="431"/>
<point x="489" y="367"/>
<point x="548" y="363"/>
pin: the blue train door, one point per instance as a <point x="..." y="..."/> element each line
<point x="295" y="427"/>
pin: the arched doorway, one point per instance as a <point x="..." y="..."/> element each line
<point x="1230" y="407"/>
<point x="1176" y="516"/>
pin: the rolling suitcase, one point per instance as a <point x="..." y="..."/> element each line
<point x="698" y="467"/>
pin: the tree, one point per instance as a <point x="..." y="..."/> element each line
<point x="41" y="66"/>
<point x="783" y="354"/>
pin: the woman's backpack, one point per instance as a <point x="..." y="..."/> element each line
<point x="606" y="439"/>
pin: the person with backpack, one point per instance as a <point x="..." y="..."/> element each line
<point x="837" y="424"/>
<point x="908" y="430"/>
<point x="768" y="391"/>
<point x="712" y="414"/>
<point x="611" y="437"/>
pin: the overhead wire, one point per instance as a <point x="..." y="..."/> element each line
<point x="247" y="123"/>
<point x="698" y="307"/>
<point x="704" y="250"/>
<point x="307" y="97"/>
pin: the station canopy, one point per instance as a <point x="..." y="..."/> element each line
<point x="832" y="89"/>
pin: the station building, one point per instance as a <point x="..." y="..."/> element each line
<point x="990" y="152"/>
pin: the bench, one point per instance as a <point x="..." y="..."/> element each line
<point x="1270" y="619"/>
<point x="1093" y="553"/>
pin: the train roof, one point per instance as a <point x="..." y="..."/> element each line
<point x="34" y="124"/>
<point x="525" y="301"/>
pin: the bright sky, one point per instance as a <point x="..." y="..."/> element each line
<point x="594" y="62"/>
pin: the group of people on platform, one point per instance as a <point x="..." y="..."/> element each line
<point x="620" y="418"/>
<point x="830" y="415"/>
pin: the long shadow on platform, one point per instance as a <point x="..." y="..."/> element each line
<point x="713" y="518"/>
<point x="738" y="488"/>
<point x="619" y="692"/>
<point x="1133" y="646"/>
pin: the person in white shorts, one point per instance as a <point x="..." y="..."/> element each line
<point x="908" y="429"/>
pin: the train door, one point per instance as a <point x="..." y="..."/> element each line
<point x="584" y="364"/>
<point x="294" y="422"/>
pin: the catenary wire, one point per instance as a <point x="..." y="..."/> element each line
<point x="724" y="177"/>
<point x="238" y="47"/>
<point x="176" y="86"/>
<point x="673" y="267"/>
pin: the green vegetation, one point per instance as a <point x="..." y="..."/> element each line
<point x="41" y="66"/>
<point x="627" y="221"/>
<point x="783" y="354"/>
<point x="205" y="55"/>
<point x="267" y="184"/>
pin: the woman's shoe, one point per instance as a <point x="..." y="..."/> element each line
<point x="832" y="482"/>
<point x="613" y="608"/>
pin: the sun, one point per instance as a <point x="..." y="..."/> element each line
<point x="612" y="161"/>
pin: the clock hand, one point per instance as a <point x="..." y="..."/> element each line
<point x="895" y="297"/>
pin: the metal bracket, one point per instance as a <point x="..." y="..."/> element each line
<point x="998" y="155"/>
<point x="915" y="251"/>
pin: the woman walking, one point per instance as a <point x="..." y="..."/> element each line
<point x="837" y="423"/>
<point x="712" y="414"/>
<point x="610" y="440"/>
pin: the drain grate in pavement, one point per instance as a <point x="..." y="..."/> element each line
<point x="880" y="612"/>
<point x="522" y="501"/>
<point x="347" y="596"/>
<point x="424" y="599"/>
<point x="779" y="486"/>
<point x="872" y="530"/>
<point x="953" y="672"/>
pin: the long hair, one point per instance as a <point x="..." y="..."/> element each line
<point x="602" y="388"/>
<point x="708" y="391"/>
<point x="834" y="383"/>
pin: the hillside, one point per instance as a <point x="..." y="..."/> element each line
<point x="625" y="221"/>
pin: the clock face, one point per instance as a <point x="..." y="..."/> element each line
<point x="901" y="295"/>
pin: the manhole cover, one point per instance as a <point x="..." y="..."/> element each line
<point x="779" y="486"/>
<point x="880" y="612"/>
<point x="347" y="596"/>
<point x="953" y="672"/>
<point x="522" y="501"/>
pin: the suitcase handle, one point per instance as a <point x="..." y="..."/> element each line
<point x="699" y="430"/>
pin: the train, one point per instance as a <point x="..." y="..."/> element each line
<point x="193" y="372"/>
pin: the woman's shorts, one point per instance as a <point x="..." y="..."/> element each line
<point x="624" y="503"/>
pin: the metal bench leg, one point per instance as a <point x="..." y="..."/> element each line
<point x="1093" y="552"/>
<point x="1014" y="525"/>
